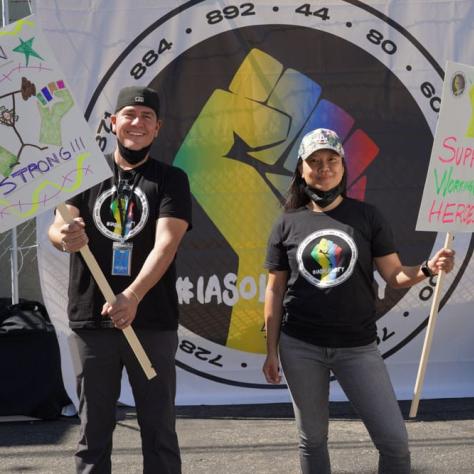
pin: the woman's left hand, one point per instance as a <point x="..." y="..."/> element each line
<point x="443" y="260"/>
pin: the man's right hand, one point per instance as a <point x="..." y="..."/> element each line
<point x="73" y="235"/>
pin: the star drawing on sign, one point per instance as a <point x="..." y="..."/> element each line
<point x="26" y="48"/>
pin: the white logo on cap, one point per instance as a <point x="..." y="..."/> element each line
<point x="139" y="98"/>
<point x="321" y="138"/>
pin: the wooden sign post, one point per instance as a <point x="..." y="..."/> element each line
<point x="109" y="296"/>
<point x="425" y="354"/>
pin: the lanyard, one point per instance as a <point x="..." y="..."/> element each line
<point x="121" y="195"/>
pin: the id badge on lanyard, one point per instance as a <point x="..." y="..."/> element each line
<point x="121" y="258"/>
<point x="122" y="250"/>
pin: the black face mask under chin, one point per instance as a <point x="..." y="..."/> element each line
<point x="133" y="156"/>
<point x="324" y="198"/>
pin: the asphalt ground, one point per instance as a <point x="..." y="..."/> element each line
<point x="241" y="439"/>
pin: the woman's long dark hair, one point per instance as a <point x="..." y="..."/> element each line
<point x="296" y="196"/>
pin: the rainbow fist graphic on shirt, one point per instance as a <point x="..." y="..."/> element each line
<point x="327" y="255"/>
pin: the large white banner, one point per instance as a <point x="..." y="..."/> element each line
<point x="240" y="83"/>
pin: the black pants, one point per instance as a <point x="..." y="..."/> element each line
<point x="103" y="353"/>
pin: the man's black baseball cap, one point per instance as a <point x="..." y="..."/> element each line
<point x="138" y="95"/>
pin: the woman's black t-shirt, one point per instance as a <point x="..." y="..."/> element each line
<point x="330" y="298"/>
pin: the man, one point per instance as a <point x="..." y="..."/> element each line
<point x="133" y="224"/>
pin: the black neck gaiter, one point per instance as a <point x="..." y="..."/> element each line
<point x="133" y="156"/>
<point x="324" y="198"/>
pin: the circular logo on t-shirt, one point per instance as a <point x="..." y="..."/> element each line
<point x="327" y="257"/>
<point x="112" y="213"/>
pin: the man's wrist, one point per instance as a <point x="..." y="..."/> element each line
<point x="134" y="294"/>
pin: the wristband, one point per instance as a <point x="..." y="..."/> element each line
<point x="426" y="270"/>
<point x="134" y="294"/>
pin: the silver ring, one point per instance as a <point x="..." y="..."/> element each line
<point x="63" y="246"/>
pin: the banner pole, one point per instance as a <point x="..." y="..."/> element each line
<point x="14" y="248"/>
<point x="109" y="296"/>
<point x="5" y="13"/>
<point x="14" y="266"/>
<point x="428" y="336"/>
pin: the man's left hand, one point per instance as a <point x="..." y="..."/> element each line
<point x="123" y="311"/>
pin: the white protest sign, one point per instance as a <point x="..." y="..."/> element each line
<point x="448" y="197"/>
<point x="47" y="153"/>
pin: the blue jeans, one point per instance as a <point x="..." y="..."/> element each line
<point x="362" y="374"/>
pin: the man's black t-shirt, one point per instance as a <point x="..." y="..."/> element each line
<point x="330" y="297"/>
<point x="156" y="190"/>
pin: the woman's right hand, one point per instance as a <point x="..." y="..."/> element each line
<point x="271" y="369"/>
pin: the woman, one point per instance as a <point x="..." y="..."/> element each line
<point x="320" y="257"/>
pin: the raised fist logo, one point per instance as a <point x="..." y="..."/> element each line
<point x="240" y="154"/>
<point x="53" y="102"/>
<point x="327" y="255"/>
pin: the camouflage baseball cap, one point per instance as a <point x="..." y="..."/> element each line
<point x="320" y="139"/>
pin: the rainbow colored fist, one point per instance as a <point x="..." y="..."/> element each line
<point x="240" y="154"/>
